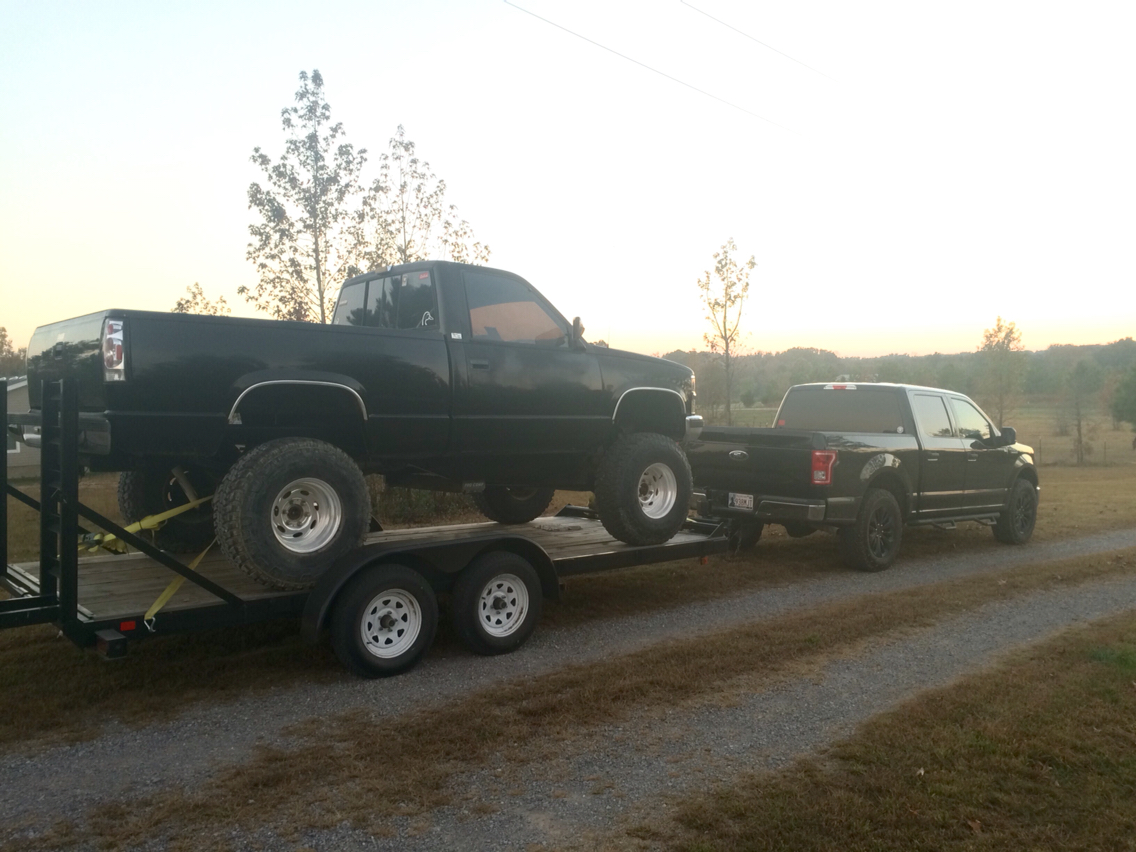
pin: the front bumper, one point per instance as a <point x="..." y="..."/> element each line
<point x="693" y="427"/>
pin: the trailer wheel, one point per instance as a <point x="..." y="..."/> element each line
<point x="513" y="505"/>
<point x="872" y="543"/>
<point x="1015" y="524"/>
<point x="384" y="620"/>
<point x="289" y="508"/>
<point x="153" y="490"/>
<point x="643" y="488"/>
<point x="496" y="603"/>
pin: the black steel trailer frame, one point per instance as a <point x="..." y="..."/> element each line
<point x="439" y="554"/>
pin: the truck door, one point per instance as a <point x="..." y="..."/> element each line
<point x="988" y="469"/>
<point x="942" y="461"/>
<point x="531" y="405"/>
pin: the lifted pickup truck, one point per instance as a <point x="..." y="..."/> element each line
<point x="436" y="374"/>
<point x="865" y="459"/>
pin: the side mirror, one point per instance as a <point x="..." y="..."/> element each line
<point x="1009" y="436"/>
<point x="577" y="340"/>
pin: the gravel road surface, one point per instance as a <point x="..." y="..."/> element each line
<point x="764" y="729"/>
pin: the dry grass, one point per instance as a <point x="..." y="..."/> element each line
<point x="1039" y="753"/>
<point x="328" y="775"/>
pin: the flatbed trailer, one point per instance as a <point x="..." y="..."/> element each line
<point x="379" y="602"/>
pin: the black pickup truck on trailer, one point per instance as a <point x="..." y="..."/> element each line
<point x="866" y="459"/>
<point x="379" y="602"/>
<point x="438" y="375"/>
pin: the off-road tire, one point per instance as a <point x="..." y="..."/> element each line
<point x="247" y="498"/>
<point x="619" y="479"/>
<point x="371" y="610"/>
<point x="496" y="603"/>
<point x="153" y="490"/>
<point x="872" y="543"/>
<point x="513" y="505"/>
<point x="1015" y="524"/>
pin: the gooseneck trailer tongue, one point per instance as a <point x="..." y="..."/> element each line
<point x="378" y="603"/>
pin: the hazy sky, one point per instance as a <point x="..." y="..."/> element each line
<point x="943" y="163"/>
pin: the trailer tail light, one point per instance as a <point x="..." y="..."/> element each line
<point x="114" y="357"/>
<point x="823" y="462"/>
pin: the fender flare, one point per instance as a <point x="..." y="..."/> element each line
<point x="251" y="382"/>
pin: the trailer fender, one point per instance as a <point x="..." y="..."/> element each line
<point x="438" y="562"/>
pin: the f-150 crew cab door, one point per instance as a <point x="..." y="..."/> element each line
<point x="988" y="468"/>
<point x="532" y="404"/>
<point x="942" y="462"/>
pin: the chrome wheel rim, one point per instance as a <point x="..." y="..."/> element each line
<point x="503" y="605"/>
<point x="390" y="624"/>
<point x="881" y="533"/>
<point x="306" y="515"/>
<point x="658" y="491"/>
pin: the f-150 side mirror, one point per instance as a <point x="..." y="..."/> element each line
<point x="577" y="339"/>
<point x="1009" y="436"/>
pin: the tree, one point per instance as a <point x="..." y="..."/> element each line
<point x="1002" y="367"/>
<point x="724" y="300"/>
<point x="405" y="216"/>
<point x="1083" y="381"/>
<point x="303" y="246"/>
<point x="13" y="361"/>
<point x="196" y="303"/>
<point x="1124" y="400"/>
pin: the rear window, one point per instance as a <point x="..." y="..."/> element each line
<point x="859" y="410"/>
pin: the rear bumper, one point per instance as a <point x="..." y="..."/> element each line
<point x="94" y="431"/>
<point x="778" y="510"/>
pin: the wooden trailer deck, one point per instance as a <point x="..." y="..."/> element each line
<point x="113" y="586"/>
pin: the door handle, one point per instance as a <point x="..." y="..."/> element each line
<point x="479" y="364"/>
<point x="932" y="457"/>
<point x="972" y="456"/>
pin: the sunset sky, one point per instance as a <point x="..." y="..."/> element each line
<point x="905" y="174"/>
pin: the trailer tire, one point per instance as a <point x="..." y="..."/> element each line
<point x="1015" y="524"/>
<point x="496" y="603"/>
<point x="643" y="488"/>
<point x="152" y="490"/>
<point x="289" y="508"/>
<point x="384" y="620"/>
<point x="507" y="505"/>
<point x="872" y="543"/>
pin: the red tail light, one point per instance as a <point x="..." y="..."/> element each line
<point x="823" y="462"/>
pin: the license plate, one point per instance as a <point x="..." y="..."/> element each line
<point x="741" y="501"/>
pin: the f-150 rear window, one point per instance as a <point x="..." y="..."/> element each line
<point x="841" y="410"/>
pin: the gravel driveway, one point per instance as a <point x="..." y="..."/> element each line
<point x="764" y="729"/>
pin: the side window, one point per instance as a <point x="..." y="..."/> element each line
<point x="381" y="297"/>
<point x="972" y="425"/>
<point x="505" y="309"/>
<point x="349" y="308"/>
<point x="931" y="414"/>
<point x="417" y="302"/>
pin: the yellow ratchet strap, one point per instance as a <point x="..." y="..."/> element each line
<point x="171" y="589"/>
<point x="109" y="541"/>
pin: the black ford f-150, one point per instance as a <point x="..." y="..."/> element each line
<point x="866" y="459"/>
<point x="436" y="374"/>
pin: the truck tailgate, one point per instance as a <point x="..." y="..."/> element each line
<point x="69" y="350"/>
<point x="755" y="461"/>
